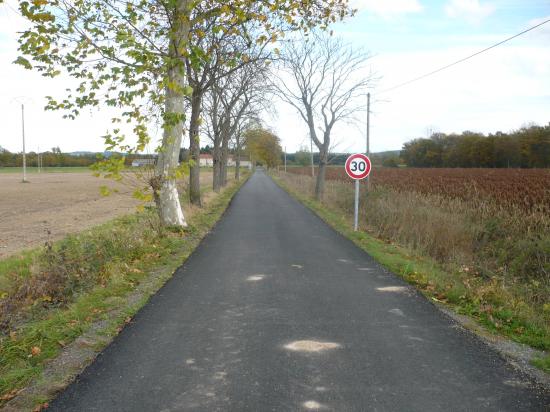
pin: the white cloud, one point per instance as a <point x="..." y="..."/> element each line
<point x="388" y="8"/>
<point x="471" y="10"/>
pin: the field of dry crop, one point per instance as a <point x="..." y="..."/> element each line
<point x="528" y="189"/>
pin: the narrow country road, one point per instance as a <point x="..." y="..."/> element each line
<point x="277" y="312"/>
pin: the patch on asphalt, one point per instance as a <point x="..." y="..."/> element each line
<point x="344" y="260"/>
<point x="297" y="266"/>
<point x="220" y="376"/>
<point x="365" y="269"/>
<point x="311" y="346"/>
<point x="394" y="289"/>
<point x="517" y="384"/>
<point x="415" y="338"/>
<point x="397" y="312"/>
<point x="255" y="278"/>
<point x="313" y="406"/>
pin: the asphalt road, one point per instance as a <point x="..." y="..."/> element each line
<point x="277" y="312"/>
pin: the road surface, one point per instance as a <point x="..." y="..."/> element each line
<point x="277" y="312"/>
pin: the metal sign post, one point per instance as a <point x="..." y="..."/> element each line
<point x="358" y="167"/>
<point x="356" y="219"/>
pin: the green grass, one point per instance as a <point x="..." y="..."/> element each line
<point x="433" y="279"/>
<point x="152" y="260"/>
<point x="34" y="170"/>
<point x="543" y="363"/>
<point x="13" y="269"/>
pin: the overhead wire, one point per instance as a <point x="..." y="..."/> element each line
<point x="463" y="59"/>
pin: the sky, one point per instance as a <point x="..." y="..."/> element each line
<point x="500" y="90"/>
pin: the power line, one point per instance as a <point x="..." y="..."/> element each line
<point x="463" y="59"/>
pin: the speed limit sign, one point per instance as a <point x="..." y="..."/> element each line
<point x="358" y="166"/>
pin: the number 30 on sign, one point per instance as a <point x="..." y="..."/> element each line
<point x="358" y="166"/>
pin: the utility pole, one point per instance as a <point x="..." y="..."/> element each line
<point x="285" y="159"/>
<point x="368" y="134"/>
<point x="23" y="134"/>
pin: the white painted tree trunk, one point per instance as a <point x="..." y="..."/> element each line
<point x="167" y="196"/>
<point x="170" y="211"/>
<point x="166" y="192"/>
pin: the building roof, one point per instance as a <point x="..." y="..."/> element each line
<point x="206" y="156"/>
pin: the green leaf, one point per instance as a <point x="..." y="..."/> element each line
<point x="23" y="62"/>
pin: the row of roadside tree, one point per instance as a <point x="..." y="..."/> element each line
<point x="192" y="67"/>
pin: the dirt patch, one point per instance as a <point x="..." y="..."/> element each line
<point x="58" y="203"/>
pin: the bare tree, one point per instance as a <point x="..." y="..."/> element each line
<point x="227" y="52"/>
<point x="323" y="78"/>
<point x="230" y="102"/>
<point x="201" y="76"/>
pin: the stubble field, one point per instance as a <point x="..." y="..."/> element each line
<point x="54" y="205"/>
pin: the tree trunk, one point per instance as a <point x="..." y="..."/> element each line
<point x="226" y="136"/>
<point x="195" y="149"/>
<point x="238" y="159"/>
<point x="217" y="159"/>
<point x="320" y="184"/>
<point x="223" y="166"/>
<point x="164" y="183"/>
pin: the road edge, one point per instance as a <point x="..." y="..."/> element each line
<point x="74" y="358"/>
<point x="516" y="354"/>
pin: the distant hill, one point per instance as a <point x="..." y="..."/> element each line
<point x="82" y="153"/>
<point x="94" y="154"/>
<point x="387" y="153"/>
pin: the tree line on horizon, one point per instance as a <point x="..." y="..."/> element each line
<point x="259" y="144"/>
<point x="56" y="158"/>
<point x="528" y="147"/>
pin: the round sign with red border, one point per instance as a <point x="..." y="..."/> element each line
<point x="358" y="166"/>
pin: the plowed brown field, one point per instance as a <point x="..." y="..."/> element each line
<point x="56" y="204"/>
<point x="53" y="205"/>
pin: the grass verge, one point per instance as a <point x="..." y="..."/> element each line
<point x="99" y="277"/>
<point x="466" y="293"/>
